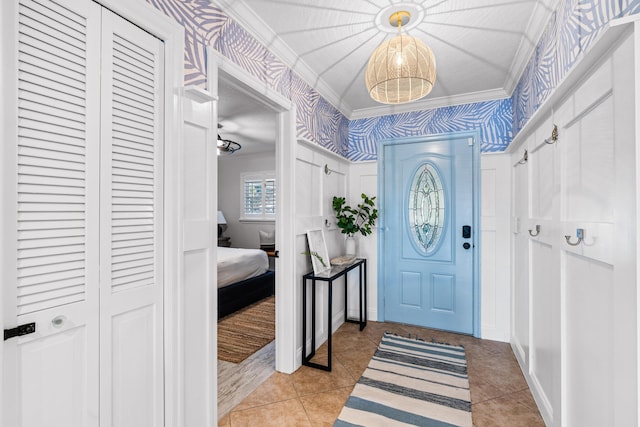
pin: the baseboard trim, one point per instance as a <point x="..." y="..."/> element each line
<point x="495" y="335"/>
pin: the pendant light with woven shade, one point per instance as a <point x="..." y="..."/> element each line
<point x="402" y="69"/>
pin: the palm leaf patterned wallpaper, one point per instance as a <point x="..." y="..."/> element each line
<point x="492" y="118"/>
<point x="206" y="25"/>
<point x="571" y="30"/>
<point x="574" y="26"/>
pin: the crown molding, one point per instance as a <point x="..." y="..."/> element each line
<point x="538" y="22"/>
<point x="240" y="12"/>
<point x="429" y="104"/>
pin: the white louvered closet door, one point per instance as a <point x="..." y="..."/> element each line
<point x="131" y="285"/>
<point x="81" y="221"/>
<point x="50" y="377"/>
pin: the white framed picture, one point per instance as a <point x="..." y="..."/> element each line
<point x="318" y="251"/>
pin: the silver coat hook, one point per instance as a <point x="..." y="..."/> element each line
<point x="554" y="136"/>
<point x="537" y="231"/>
<point x="525" y="158"/>
<point x="579" y="235"/>
<point x="328" y="171"/>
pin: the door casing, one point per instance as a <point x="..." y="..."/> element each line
<point x="222" y="68"/>
<point x="474" y="137"/>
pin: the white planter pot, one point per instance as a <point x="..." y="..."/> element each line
<point x="350" y="246"/>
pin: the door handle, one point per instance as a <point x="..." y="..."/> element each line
<point x="18" y="331"/>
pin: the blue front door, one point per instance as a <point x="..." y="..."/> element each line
<point x="429" y="232"/>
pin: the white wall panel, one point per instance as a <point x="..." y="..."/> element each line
<point x="624" y="235"/>
<point x="545" y="317"/>
<point x="588" y="165"/>
<point x="589" y="342"/>
<point x="520" y="258"/>
<point x="196" y="350"/>
<point x="596" y="85"/>
<point x="542" y="167"/>
<point x="199" y="246"/>
<point x="487" y="189"/>
<point x="195" y="205"/>
<point x="495" y="244"/>
<point x="363" y="178"/>
<point x="582" y="363"/>
<point x="308" y="188"/>
<point x="314" y="192"/>
<point x="488" y="316"/>
<point x="488" y="273"/>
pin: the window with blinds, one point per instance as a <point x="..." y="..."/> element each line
<point x="258" y="199"/>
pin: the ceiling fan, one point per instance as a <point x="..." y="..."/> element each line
<point x="226" y="145"/>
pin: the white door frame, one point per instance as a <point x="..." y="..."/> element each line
<point x="172" y="34"/>
<point x="473" y="138"/>
<point x="220" y="67"/>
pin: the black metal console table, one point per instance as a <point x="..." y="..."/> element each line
<point x="329" y="276"/>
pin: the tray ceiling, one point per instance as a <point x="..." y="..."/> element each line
<point x="481" y="46"/>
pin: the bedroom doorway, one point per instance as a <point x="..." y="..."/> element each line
<point x="246" y="242"/>
<point x="254" y="195"/>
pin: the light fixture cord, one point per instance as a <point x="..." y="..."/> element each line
<point x="401" y="44"/>
<point x="400" y="57"/>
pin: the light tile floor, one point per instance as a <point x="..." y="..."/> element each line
<point x="310" y="397"/>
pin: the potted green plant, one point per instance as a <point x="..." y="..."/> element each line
<point x="353" y="220"/>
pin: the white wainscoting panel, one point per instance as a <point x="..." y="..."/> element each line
<point x="495" y="247"/>
<point x="520" y="257"/>
<point x="544" y="365"/>
<point x="199" y="163"/>
<point x="363" y="178"/>
<point x="589" y="342"/>
<point x="575" y="303"/>
<point x="314" y="193"/>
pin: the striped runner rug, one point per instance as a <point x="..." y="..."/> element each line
<point x="411" y="382"/>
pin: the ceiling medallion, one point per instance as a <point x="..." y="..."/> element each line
<point x="402" y="69"/>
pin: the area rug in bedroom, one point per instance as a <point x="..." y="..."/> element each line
<point x="411" y="382"/>
<point x="246" y="331"/>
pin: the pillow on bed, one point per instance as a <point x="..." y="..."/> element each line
<point x="267" y="239"/>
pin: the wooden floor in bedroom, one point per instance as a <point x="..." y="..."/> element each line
<point x="238" y="380"/>
<point x="310" y="397"/>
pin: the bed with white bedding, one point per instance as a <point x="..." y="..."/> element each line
<point x="243" y="278"/>
<point x="236" y="264"/>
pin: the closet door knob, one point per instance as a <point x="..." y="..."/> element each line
<point x="58" y="321"/>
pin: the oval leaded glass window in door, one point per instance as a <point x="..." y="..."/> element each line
<point x="426" y="208"/>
